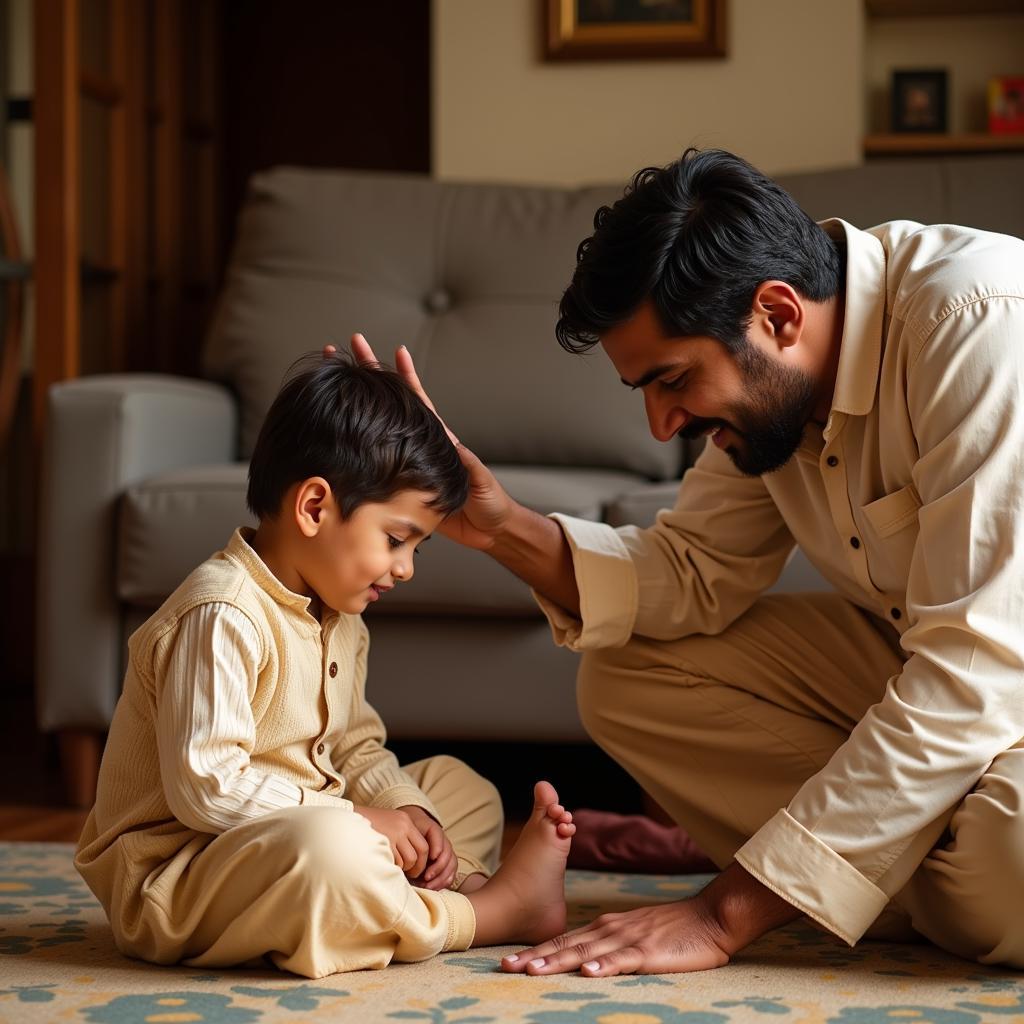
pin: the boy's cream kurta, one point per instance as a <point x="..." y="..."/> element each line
<point x="279" y="722"/>
<point x="910" y="501"/>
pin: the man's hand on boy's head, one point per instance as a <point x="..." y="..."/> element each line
<point x="487" y="512"/>
<point x="442" y="863"/>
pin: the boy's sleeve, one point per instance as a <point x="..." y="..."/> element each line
<point x="371" y="772"/>
<point x="205" y="727"/>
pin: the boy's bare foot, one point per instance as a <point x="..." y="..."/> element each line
<point x="525" y="900"/>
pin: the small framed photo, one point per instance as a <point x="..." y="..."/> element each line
<point x="919" y="101"/>
<point x="633" y="29"/>
<point x="1006" y="105"/>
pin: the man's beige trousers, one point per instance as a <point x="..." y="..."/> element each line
<point x="316" y="889"/>
<point x="723" y="730"/>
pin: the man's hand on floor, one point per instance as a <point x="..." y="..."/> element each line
<point x="693" y="935"/>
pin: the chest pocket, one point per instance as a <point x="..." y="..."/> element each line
<point x="891" y="529"/>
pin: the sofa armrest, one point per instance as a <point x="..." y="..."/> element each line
<point x="105" y="433"/>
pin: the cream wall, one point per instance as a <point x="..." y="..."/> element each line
<point x="789" y="96"/>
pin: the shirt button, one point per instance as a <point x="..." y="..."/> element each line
<point x="895" y="613"/>
<point x="832" y="460"/>
<point x="320" y="748"/>
<point x="854" y="542"/>
<point x="333" y="670"/>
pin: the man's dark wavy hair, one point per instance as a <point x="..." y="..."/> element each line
<point x="698" y="237"/>
<point x="361" y="428"/>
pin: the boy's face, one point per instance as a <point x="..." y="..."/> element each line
<point x="354" y="562"/>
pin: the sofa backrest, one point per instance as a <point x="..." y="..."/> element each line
<point x="468" y="276"/>
<point x="983" y="191"/>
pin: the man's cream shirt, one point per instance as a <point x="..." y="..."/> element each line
<point x="910" y="502"/>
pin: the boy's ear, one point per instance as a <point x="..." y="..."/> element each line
<point x="313" y="500"/>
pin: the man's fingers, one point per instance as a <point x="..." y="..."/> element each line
<point x="407" y="368"/>
<point x="519" y="961"/>
<point x="361" y="350"/>
<point x="629" y="960"/>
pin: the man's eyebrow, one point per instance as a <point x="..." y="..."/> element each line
<point x="652" y="374"/>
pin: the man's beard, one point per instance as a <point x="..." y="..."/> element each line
<point x="770" y="423"/>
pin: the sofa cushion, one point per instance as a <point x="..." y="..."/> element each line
<point x="468" y="276"/>
<point x="172" y="522"/>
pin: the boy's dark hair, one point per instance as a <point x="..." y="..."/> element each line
<point x="361" y="428"/>
<point x="698" y="236"/>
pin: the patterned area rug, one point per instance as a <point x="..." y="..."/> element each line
<point x="57" y="962"/>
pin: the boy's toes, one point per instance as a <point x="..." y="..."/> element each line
<point x="565" y="829"/>
<point x="544" y="796"/>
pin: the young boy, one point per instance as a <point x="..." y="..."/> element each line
<point x="246" y="806"/>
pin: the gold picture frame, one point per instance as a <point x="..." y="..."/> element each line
<point x="632" y="29"/>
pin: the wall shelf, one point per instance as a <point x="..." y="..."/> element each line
<point x="913" y="144"/>
<point x="940" y="8"/>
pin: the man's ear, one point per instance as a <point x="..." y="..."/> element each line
<point x="778" y="313"/>
<point x="313" y="501"/>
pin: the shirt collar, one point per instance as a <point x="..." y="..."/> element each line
<point x="860" y="352"/>
<point x="242" y="551"/>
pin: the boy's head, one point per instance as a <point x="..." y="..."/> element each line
<point x="350" y="472"/>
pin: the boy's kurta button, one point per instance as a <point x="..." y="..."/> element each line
<point x="320" y="748"/>
<point x="832" y="460"/>
<point x="895" y="613"/>
<point x="333" y="670"/>
<point x="854" y="542"/>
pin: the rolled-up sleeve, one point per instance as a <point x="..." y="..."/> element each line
<point x="696" y="570"/>
<point x="855" y="832"/>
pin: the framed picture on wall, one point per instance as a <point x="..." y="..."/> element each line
<point x="631" y="29"/>
<point x="919" y="101"/>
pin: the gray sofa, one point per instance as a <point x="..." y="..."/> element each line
<point x="144" y="475"/>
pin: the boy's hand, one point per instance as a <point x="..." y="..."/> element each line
<point x="442" y="863"/>
<point x="409" y="847"/>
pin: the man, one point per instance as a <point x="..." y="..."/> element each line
<point x="856" y="757"/>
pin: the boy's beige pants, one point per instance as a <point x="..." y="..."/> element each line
<point x="723" y="730"/>
<point x="316" y="889"/>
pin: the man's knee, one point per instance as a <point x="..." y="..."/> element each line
<point x="616" y="680"/>
<point x="979" y="879"/>
<point x="599" y="686"/>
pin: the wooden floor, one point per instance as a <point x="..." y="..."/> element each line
<point x="40" y="824"/>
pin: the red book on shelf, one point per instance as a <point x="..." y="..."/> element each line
<point x="1006" y="105"/>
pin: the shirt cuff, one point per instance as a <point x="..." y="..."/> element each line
<point x="405" y="796"/>
<point x="607" y="583"/>
<point x="313" y="798"/>
<point x="800" y="868"/>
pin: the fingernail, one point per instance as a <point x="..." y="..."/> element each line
<point x="539" y="962"/>
<point x="511" y="958"/>
<point x="593" y="966"/>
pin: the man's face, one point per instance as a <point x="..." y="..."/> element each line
<point x="752" y="403"/>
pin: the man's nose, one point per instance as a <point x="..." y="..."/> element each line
<point x="665" y="419"/>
